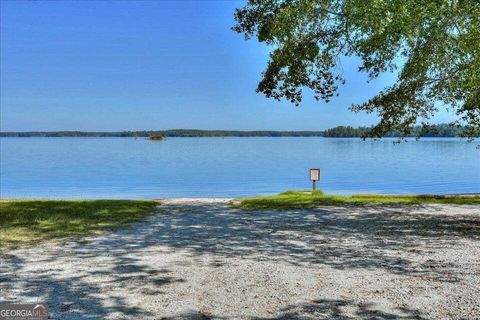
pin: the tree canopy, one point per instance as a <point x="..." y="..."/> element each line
<point x="434" y="46"/>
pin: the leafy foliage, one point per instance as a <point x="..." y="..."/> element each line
<point x="434" y="46"/>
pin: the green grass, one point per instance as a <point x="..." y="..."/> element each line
<point x="307" y="199"/>
<point x="27" y="222"/>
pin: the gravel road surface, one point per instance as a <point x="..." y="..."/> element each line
<point x="208" y="260"/>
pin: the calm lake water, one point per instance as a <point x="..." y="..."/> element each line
<point x="230" y="167"/>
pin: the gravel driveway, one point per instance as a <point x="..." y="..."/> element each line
<point x="207" y="260"/>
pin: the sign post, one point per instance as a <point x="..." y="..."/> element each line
<point x="314" y="176"/>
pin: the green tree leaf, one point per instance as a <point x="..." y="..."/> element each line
<point x="436" y="43"/>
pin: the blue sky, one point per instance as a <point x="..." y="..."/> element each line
<point x="105" y="65"/>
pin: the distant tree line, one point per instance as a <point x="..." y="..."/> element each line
<point x="440" y="130"/>
<point x="166" y="133"/>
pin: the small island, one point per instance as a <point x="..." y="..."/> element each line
<point x="156" y="137"/>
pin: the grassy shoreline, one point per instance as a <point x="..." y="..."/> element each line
<point x="27" y="222"/>
<point x="307" y="199"/>
<point x="24" y="223"/>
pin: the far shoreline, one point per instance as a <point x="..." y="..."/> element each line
<point x="441" y="130"/>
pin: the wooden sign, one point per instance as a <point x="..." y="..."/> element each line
<point x="314" y="174"/>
